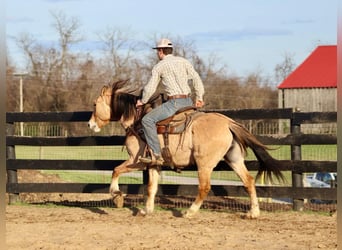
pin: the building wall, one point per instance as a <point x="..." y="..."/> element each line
<point x="309" y="99"/>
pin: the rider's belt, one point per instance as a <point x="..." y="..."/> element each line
<point x="177" y="97"/>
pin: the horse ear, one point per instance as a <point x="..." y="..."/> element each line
<point x="103" y="90"/>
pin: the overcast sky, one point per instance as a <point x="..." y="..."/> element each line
<point x="246" y="35"/>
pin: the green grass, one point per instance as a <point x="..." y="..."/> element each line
<point x="82" y="177"/>
<point x="71" y="152"/>
<point x="309" y="152"/>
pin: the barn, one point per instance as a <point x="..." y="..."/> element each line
<point x="312" y="86"/>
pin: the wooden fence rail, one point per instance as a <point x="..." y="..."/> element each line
<point x="295" y="139"/>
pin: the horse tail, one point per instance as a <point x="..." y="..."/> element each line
<point x="268" y="165"/>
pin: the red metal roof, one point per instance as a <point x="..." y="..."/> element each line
<point x="319" y="70"/>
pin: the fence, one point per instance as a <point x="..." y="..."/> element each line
<point x="40" y="129"/>
<point x="295" y="139"/>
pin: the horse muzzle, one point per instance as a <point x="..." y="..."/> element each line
<point x="93" y="126"/>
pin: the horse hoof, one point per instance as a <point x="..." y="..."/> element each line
<point x="250" y="215"/>
<point x="142" y="212"/>
<point x="118" y="200"/>
<point x="188" y="214"/>
<point x="116" y="193"/>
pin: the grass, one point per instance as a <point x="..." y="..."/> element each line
<point x="71" y="152"/>
<point x="309" y="152"/>
<point x="82" y="177"/>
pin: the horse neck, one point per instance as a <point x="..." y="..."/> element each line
<point x="127" y="123"/>
<point x="123" y="109"/>
<point x="130" y="116"/>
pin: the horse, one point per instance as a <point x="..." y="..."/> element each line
<point x="209" y="138"/>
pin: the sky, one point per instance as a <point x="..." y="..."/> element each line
<point x="247" y="35"/>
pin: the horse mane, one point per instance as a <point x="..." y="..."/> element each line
<point x="123" y="105"/>
<point x="124" y="97"/>
<point x="124" y="86"/>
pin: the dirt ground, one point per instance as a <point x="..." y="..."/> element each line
<point x="54" y="221"/>
<point x="61" y="227"/>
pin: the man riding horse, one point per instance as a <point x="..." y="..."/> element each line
<point x="206" y="140"/>
<point x="174" y="73"/>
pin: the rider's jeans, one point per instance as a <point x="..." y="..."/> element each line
<point x="157" y="114"/>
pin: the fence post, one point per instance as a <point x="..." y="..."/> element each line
<point x="297" y="178"/>
<point x="146" y="177"/>
<point x="12" y="175"/>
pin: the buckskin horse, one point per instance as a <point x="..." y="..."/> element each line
<point x="207" y="138"/>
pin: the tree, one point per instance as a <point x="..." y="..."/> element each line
<point x="64" y="80"/>
<point x="283" y="69"/>
<point x="12" y="89"/>
<point x="118" y="52"/>
<point x="51" y="66"/>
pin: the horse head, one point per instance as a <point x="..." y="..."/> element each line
<point x="101" y="115"/>
<point x="115" y="103"/>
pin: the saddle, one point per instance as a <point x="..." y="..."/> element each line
<point x="177" y="123"/>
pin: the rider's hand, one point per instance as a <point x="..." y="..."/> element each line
<point x="199" y="104"/>
<point x="139" y="103"/>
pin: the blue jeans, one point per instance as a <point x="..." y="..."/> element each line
<point x="157" y="114"/>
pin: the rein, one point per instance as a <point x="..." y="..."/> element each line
<point x="138" y="114"/>
<point x="135" y="128"/>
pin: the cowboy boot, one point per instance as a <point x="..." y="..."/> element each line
<point x="154" y="160"/>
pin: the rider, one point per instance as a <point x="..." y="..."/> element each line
<point x="173" y="72"/>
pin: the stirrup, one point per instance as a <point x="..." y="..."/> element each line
<point x="152" y="160"/>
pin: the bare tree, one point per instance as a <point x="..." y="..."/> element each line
<point x="51" y="67"/>
<point x="283" y="69"/>
<point x="68" y="32"/>
<point x="119" y="52"/>
<point x="64" y="80"/>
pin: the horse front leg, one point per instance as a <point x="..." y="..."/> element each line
<point x="203" y="190"/>
<point x="125" y="167"/>
<point x="152" y="188"/>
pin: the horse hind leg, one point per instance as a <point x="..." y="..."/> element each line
<point x="235" y="159"/>
<point x="249" y="184"/>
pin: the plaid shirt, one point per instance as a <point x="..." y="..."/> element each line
<point x="174" y="73"/>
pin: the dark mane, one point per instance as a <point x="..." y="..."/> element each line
<point x="124" y="98"/>
<point x="123" y="105"/>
